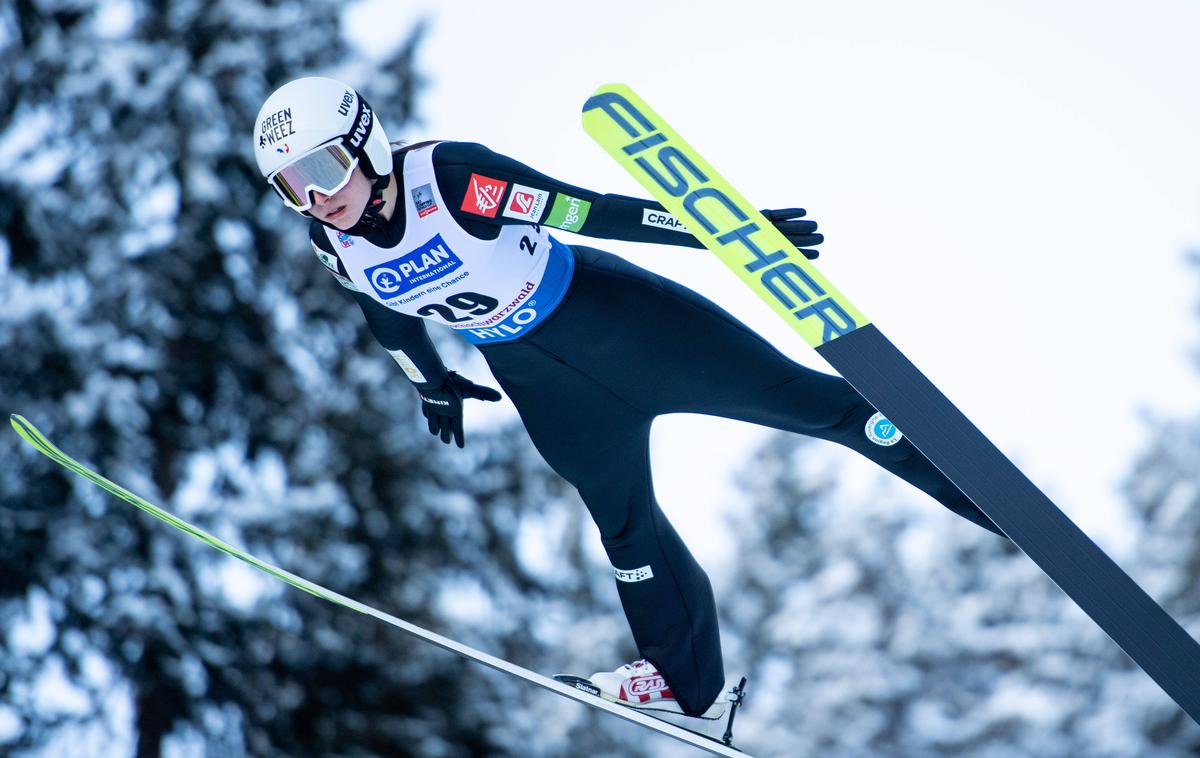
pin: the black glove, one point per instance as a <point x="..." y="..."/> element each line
<point x="443" y="406"/>
<point x="802" y="234"/>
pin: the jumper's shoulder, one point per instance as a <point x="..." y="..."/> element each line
<point x="319" y="239"/>
<point x="464" y="154"/>
<point x="327" y="255"/>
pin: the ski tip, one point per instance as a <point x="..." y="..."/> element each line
<point x="22" y="427"/>
<point x="602" y="95"/>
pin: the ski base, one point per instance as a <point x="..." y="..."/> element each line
<point x="38" y="441"/>
<point x="727" y="224"/>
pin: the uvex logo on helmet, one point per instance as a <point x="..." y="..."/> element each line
<point x="312" y="111"/>
<point x="362" y="127"/>
<point x="321" y="116"/>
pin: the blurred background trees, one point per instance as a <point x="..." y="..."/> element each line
<point x="161" y="318"/>
<point x="874" y="628"/>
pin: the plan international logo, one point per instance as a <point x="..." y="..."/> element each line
<point x="427" y="263"/>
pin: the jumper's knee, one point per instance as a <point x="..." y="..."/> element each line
<point x="611" y="505"/>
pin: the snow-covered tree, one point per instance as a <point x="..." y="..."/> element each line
<point x="1163" y="492"/>
<point x="162" y="318"/>
<point x="876" y="627"/>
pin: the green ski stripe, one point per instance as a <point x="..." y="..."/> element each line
<point x="718" y="215"/>
<point x="688" y="186"/>
<point x="39" y="442"/>
<point x="47" y="448"/>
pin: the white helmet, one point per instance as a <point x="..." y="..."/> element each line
<point x="311" y="133"/>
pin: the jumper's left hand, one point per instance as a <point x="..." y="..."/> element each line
<point x="443" y="406"/>
<point x="802" y="234"/>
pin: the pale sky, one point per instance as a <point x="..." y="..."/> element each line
<point x="1007" y="191"/>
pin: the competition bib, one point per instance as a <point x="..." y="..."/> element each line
<point x="488" y="290"/>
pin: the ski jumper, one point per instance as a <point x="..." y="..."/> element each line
<point x="591" y="349"/>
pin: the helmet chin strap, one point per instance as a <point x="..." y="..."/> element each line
<point x="371" y="218"/>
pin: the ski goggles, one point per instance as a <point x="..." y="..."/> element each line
<point x="326" y="169"/>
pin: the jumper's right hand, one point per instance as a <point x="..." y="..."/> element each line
<point x="443" y="407"/>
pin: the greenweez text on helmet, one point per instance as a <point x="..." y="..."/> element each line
<point x="312" y="114"/>
<point x="276" y="127"/>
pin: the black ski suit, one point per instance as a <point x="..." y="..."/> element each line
<point x="623" y="347"/>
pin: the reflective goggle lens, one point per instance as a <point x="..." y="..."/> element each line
<point x="326" y="169"/>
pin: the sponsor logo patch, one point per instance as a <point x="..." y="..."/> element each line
<point x="526" y="203"/>
<point x="423" y="198"/>
<point x="568" y="213"/>
<point x="427" y="263"/>
<point x="410" y="368"/>
<point x="362" y="127"/>
<point x="663" y="220"/>
<point x="324" y="257"/>
<point x="345" y="239"/>
<point x="331" y="262"/>
<point x="275" y="128"/>
<point x="585" y="686"/>
<point x="645" y="685"/>
<point x="881" y="431"/>
<point x="635" y="575"/>
<point x="483" y="195"/>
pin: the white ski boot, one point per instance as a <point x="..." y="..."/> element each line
<point x="640" y="685"/>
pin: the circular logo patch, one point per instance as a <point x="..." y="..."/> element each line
<point x="385" y="280"/>
<point x="881" y="431"/>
